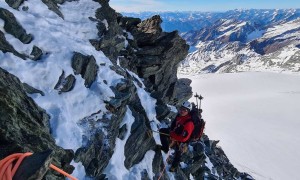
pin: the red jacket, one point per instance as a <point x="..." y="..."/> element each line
<point x="187" y="128"/>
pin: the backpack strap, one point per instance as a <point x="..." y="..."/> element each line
<point x="187" y="121"/>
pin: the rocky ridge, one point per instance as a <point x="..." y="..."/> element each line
<point x="24" y="126"/>
<point x="254" y="33"/>
<point x="193" y="20"/>
<point x="151" y="54"/>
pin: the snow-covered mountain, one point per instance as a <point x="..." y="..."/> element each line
<point x="236" y="40"/>
<point x="187" y="21"/>
<point x="278" y="36"/>
<point x="224" y="30"/>
<point x="94" y="87"/>
<point x="240" y="48"/>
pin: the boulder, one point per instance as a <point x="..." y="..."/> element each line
<point x="6" y="47"/>
<point x="52" y="5"/>
<point x="36" y="53"/>
<point x="68" y="84"/>
<point x="86" y="66"/>
<point x="65" y="84"/>
<point x="14" y="3"/>
<point x="12" y="26"/>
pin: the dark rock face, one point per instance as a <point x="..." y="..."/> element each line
<point x="158" y="165"/>
<point x="14" y="3"/>
<point x="95" y="156"/>
<point x="24" y="126"/>
<point x="111" y="34"/>
<point x="270" y="45"/>
<point x="139" y="142"/>
<point x="52" y="5"/>
<point x="148" y="31"/>
<point x="65" y="84"/>
<point x="201" y="152"/>
<point x="97" y="152"/>
<point x="34" y="166"/>
<point x="95" y="162"/>
<point x="86" y="66"/>
<point x="181" y="90"/>
<point x="6" y="47"/>
<point x="154" y="55"/>
<point x="36" y="53"/>
<point x="68" y="84"/>
<point x="13" y="27"/>
<point x="31" y="90"/>
<point x="221" y="163"/>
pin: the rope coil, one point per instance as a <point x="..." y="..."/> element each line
<point x="10" y="165"/>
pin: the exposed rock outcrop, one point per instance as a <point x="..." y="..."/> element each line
<point x="86" y="66"/>
<point x="24" y="126"/>
<point x="12" y="26"/>
<point x="31" y="90"/>
<point x="6" y="47"/>
<point x="154" y="55"/>
<point x="36" y="53"/>
<point x="139" y="142"/>
<point x="65" y="84"/>
<point x="14" y="3"/>
<point x="52" y="5"/>
<point x="112" y="40"/>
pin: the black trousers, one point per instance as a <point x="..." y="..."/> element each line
<point x="165" y="142"/>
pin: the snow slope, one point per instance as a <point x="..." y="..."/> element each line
<point x="283" y="28"/>
<point x="256" y="118"/>
<point x="59" y="39"/>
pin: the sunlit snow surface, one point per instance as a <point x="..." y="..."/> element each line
<point x="59" y="39"/>
<point x="256" y="118"/>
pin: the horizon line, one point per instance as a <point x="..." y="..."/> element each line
<point x="244" y="9"/>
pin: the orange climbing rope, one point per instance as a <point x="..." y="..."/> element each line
<point x="10" y="164"/>
<point x="162" y="172"/>
<point x="62" y="172"/>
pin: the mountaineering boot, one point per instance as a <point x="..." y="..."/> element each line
<point x="165" y="149"/>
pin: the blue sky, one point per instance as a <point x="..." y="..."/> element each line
<point x="200" y="5"/>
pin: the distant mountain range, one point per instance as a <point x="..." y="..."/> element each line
<point x="186" y="21"/>
<point x="237" y="40"/>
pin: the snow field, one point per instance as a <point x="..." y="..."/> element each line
<point x="256" y="118"/>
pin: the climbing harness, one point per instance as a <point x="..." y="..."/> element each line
<point x="10" y="164"/>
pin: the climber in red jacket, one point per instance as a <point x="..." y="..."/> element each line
<point x="180" y="132"/>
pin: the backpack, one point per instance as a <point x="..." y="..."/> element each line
<point x="199" y="123"/>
